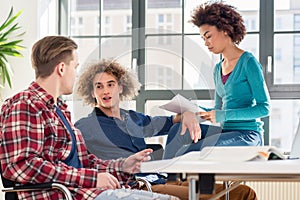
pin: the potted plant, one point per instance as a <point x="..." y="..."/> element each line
<point x="9" y="46"/>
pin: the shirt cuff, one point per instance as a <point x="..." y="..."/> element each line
<point x="220" y="115"/>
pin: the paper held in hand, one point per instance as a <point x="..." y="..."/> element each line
<point x="180" y="104"/>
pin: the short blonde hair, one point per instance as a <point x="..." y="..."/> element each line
<point x="49" y="51"/>
<point x="127" y="79"/>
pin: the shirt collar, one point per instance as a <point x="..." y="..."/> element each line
<point x="46" y="97"/>
<point x="99" y="112"/>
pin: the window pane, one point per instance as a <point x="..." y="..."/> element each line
<point x="88" y="50"/>
<point x="84" y="17"/>
<point x="286" y="58"/>
<point x="189" y="6"/>
<point x="284" y="120"/>
<point x="286" y="15"/>
<point x="249" y="11"/>
<point x="198" y="64"/>
<point x="163" y="16"/>
<point x="116" y="17"/>
<point x="47" y="22"/>
<point x="163" y="62"/>
<point x="251" y="43"/>
<point x="117" y="48"/>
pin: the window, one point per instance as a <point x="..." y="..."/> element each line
<point x="278" y="54"/>
<point x="286" y="42"/>
<point x="128" y="24"/>
<point x="278" y="23"/>
<point x="171" y="57"/>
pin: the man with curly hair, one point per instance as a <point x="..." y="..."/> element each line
<point x="111" y="132"/>
<point x="103" y="85"/>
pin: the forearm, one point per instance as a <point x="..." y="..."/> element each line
<point x="257" y="111"/>
<point x="177" y="118"/>
<point x="114" y="167"/>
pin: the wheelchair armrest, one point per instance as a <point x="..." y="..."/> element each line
<point x="41" y="186"/>
<point x="146" y="183"/>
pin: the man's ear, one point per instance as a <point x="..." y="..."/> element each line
<point x="60" y="68"/>
<point x="120" y="89"/>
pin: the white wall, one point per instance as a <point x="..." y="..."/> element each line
<point x="23" y="73"/>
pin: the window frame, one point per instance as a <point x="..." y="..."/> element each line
<point x="266" y="54"/>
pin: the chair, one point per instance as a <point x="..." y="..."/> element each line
<point x="10" y="188"/>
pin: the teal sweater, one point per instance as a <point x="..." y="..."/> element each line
<point x="244" y="98"/>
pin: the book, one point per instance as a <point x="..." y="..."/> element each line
<point x="236" y="154"/>
<point x="180" y="104"/>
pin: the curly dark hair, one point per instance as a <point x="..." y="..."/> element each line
<point x="127" y="79"/>
<point x="224" y="17"/>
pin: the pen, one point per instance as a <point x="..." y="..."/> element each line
<point x="205" y="109"/>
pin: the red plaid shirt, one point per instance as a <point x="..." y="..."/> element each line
<point x="34" y="142"/>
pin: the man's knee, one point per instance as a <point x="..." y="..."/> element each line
<point x="181" y="192"/>
<point x="174" y="130"/>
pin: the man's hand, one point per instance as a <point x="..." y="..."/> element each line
<point x="190" y="122"/>
<point x="107" y="181"/>
<point x="132" y="164"/>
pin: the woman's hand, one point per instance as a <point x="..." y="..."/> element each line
<point x="132" y="164"/>
<point x="210" y="116"/>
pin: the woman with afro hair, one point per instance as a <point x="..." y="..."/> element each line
<point x="241" y="95"/>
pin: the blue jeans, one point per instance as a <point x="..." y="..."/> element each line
<point x="210" y="136"/>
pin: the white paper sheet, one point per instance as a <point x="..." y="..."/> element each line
<point x="180" y="104"/>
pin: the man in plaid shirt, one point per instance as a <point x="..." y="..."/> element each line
<point x="38" y="142"/>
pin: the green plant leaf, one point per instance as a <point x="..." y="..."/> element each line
<point x="7" y="76"/>
<point x="9" y="45"/>
<point x="6" y="72"/>
<point x="10" y="19"/>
